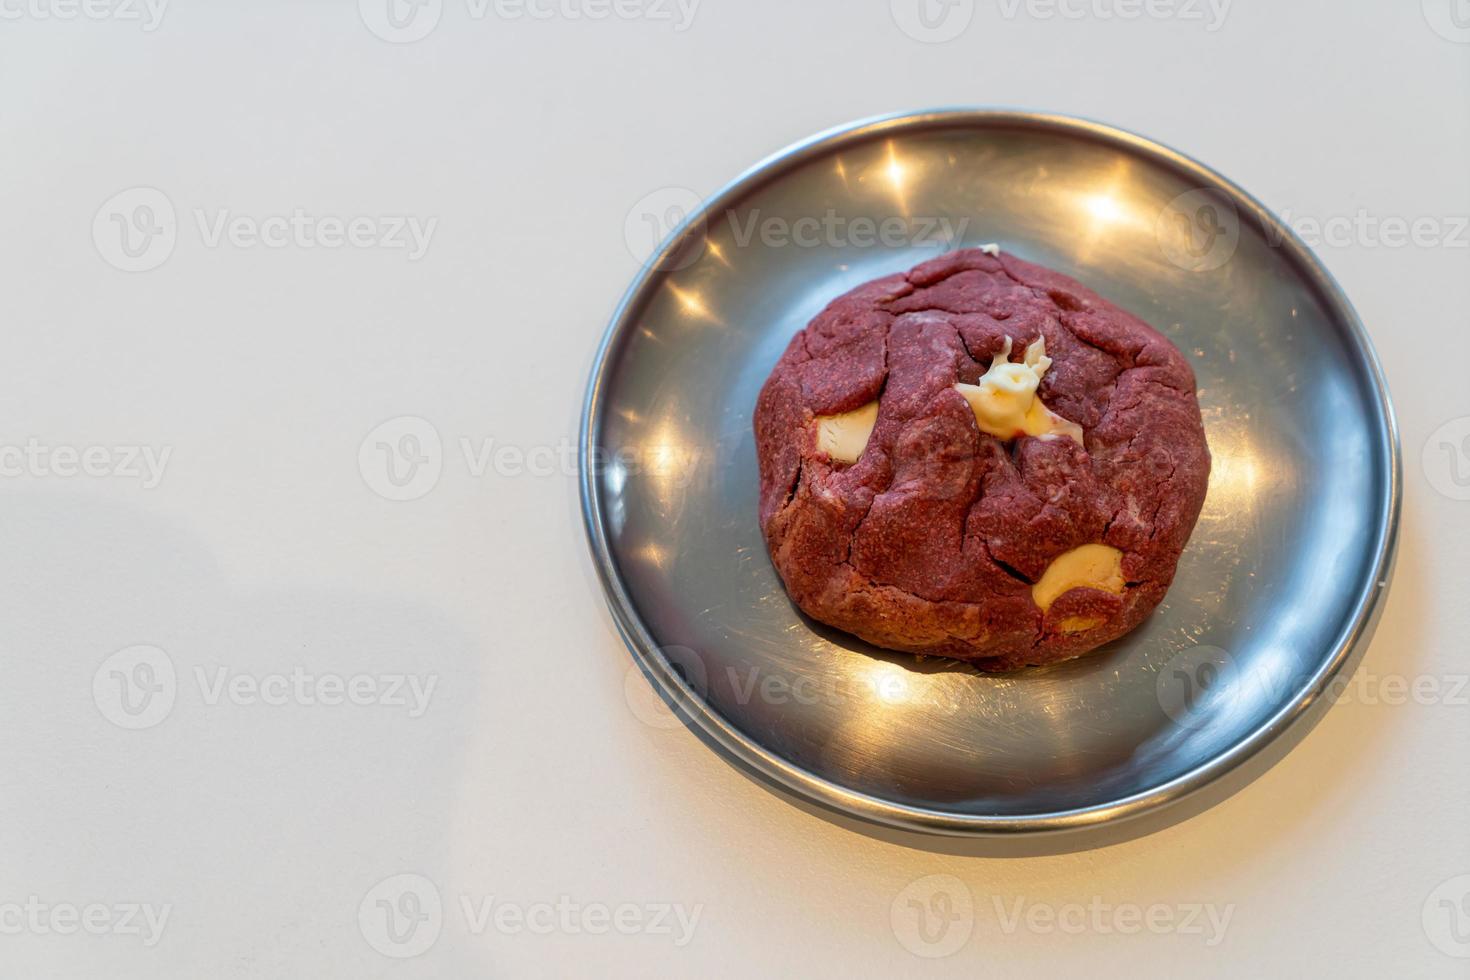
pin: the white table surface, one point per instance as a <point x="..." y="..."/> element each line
<point x="531" y="780"/>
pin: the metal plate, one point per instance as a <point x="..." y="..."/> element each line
<point x="1276" y="593"/>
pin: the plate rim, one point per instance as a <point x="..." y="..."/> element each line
<point x="1349" y="645"/>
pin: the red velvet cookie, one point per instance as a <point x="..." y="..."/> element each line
<point x="979" y="459"/>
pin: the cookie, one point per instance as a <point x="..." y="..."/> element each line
<point x="979" y="459"/>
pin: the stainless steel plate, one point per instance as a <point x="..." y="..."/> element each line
<point x="1275" y="595"/>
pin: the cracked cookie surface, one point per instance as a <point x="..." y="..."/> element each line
<point x="932" y="535"/>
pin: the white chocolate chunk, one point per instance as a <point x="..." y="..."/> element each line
<point x="1004" y="400"/>
<point x="845" y="436"/>
<point x="1091" y="566"/>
